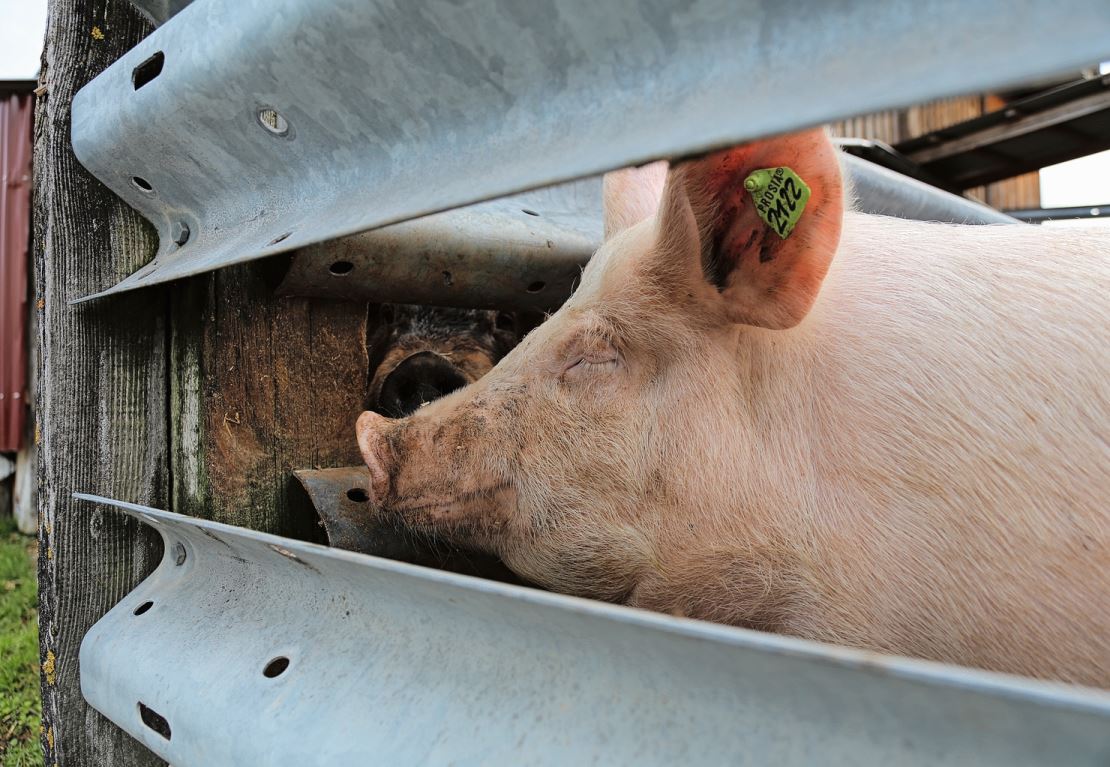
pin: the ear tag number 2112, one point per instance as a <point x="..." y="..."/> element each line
<point x="780" y="197"/>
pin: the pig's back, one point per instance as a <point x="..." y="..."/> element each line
<point x="963" y="379"/>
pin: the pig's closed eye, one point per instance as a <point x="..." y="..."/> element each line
<point x="594" y="361"/>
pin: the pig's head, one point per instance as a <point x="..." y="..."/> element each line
<point x="615" y="433"/>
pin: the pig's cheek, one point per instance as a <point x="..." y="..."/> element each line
<point x="611" y="398"/>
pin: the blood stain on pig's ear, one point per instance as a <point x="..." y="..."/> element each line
<point x="713" y="267"/>
<point x="765" y="261"/>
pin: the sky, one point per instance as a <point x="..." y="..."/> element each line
<point x="22" y="26"/>
<point x="1085" y="181"/>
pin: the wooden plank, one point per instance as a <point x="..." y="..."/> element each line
<point x="101" y="398"/>
<point x="990" y="137"/>
<point x="202" y="397"/>
<point x="261" y="386"/>
<point x="880" y="126"/>
<point x="1015" y="193"/>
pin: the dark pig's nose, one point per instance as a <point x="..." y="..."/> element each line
<point x="419" y="378"/>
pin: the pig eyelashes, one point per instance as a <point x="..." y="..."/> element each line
<point x="600" y="361"/>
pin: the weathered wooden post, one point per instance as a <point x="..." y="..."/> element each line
<point x="102" y="398"/>
<point x="201" y="397"/>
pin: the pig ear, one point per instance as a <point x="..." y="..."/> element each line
<point x="632" y="195"/>
<point x="765" y="220"/>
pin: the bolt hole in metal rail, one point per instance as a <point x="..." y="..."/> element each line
<point x="324" y="655"/>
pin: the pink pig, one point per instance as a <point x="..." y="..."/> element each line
<point x="874" y="432"/>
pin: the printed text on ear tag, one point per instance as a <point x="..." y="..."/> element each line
<point x="780" y="197"/>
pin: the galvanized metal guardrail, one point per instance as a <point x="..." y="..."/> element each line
<point x="247" y="649"/>
<point x="343" y="115"/>
<point x="527" y="251"/>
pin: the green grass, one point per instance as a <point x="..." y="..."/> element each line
<point x="20" y="706"/>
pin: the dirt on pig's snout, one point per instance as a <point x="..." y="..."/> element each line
<point x="440" y="476"/>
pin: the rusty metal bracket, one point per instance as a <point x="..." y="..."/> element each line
<point x="351" y="522"/>
<point x="247" y="649"/>
<point x="345" y="115"/>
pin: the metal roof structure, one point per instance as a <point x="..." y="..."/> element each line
<point x="1062" y="123"/>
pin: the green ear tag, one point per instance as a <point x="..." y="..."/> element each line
<point x="780" y="196"/>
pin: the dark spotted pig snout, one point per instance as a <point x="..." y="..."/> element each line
<point x="420" y="378"/>
<point x="370" y="430"/>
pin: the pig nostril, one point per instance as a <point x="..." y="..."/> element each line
<point x="536" y="286"/>
<point x="358" y="495"/>
<point x="339" y="268"/>
<point x="419" y="379"/>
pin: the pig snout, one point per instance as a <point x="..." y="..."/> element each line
<point x="426" y="471"/>
<point x="418" y="379"/>
<point x="391" y="535"/>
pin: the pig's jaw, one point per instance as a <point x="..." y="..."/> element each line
<point x="429" y="510"/>
<point x="604" y="562"/>
<point x="475" y="518"/>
